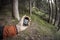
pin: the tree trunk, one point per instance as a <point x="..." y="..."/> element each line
<point x="49" y="11"/>
<point x="15" y="9"/>
<point x="30" y="7"/>
<point x="50" y="19"/>
<point x="34" y="3"/>
<point x="53" y="15"/>
<point x="58" y="14"/>
<point x="55" y="12"/>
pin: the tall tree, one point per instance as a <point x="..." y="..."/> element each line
<point x="53" y="13"/>
<point x="30" y="7"/>
<point x="58" y="14"/>
<point x="49" y="10"/>
<point x="15" y="9"/>
<point x="50" y="14"/>
<point x="34" y="3"/>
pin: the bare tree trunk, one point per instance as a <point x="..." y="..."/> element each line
<point x="50" y="11"/>
<point x="59" y="17"/>
<point x="55" y="12"/>
<point x="34" y="3"/>
<point x="58" y="14"/>
<point x="53" y="18"/>
<point x="53" y="9"/>
<point x="15" y="9"/>
<point x="30" y="7"/>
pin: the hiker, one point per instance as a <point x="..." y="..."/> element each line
<point x="13" y="30"/>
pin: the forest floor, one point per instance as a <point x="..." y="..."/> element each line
<point x="39" y="29"/>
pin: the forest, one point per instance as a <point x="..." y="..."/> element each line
<point x="44" y="14"/>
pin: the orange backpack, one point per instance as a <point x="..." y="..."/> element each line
<point x="9" y="31"/>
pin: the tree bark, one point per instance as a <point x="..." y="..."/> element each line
<point x="58" y="14"/>
<point x="30" y="7"/>
<point x="49" y="11"/>
<point x="15" y="9"/>
<point x="34" y="3"/>
<point x="50" y="14"/>
<point x="53" y="14"/>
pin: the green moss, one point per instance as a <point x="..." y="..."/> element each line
<point x="46" y="27"/>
